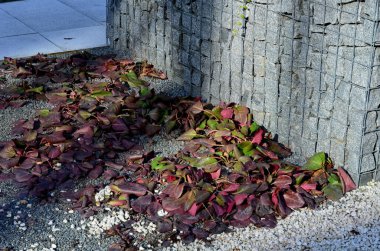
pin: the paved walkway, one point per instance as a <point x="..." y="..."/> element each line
<point x="47" y="26"/>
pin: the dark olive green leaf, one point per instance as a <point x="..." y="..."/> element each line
<point x="189" y="135"/>
<point x="7" y="152"/>
<point x="84" y="114"/>
<point x="132" y="79"/>
<point x="38" y="90"/>
<point x="333" y="191"/>
<point x="101" y="94"/>
<point x="238" y="134"/>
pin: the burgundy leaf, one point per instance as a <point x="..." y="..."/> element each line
<point x="283" y="181"/>
<point x="200" y="233"/>
<point x="151" y="129"/>
<point x="131" y="188"/>
<point x="240" y="224"/>
<point x="96" y="172"/>
<point x="243" y="213"/>
<point x="293" y="200"/>
<point x="118" y="125"/>
<point x="141" y="204"/>
<point x="269" y="221"/>
<point x="27" y="163"/>
<point x="54" y="152"/>
<point x="109" y="174"/>
<point x="8" y="163"/>
<point x="22" y="175"/>
<point x="232" y="187"/>
<point x="54" y="138"/>
<point x="86" y="131"/>
<point x="164" y="226"/>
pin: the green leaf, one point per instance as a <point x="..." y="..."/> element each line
<point x="100" y="94"/>
<point x="254" y="127"/>
<point x="203" y="124"/>
<point x="238" y="134"/>
<point x="316" y="162"/>
<point x="334" y="179"/>
<point x="208" y="164"/>
<point x="213" y="124"/>
<point x="244" y="130"/>
<point x="44" y="112"/>
<point x="38" y="90"/>
<point x="144" y="91"/>
<point x="246" y="147"/>
<point x="132" y="79"/>
<point x="169" y="126"/>
<point x="205" y="161"/>
<point x="217" y="112"/>
<point x="158" y="163"/>
<point x="188" y="135"/>
<point x="299" y="179"/>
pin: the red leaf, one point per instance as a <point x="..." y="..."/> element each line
<point x="309" y="186"/>
<point x="193" y="209"/>
<point x="232" y="187"/>
<point x="216" y="175"/>
<point x="293" y="200"/>
<point x="348" y="183"/>
<point x="258" y="137"/>
<point x="239" y="198"/>
<point x="227" y="113"/>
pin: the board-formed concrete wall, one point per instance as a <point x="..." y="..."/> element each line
<point x="308" y="69"/>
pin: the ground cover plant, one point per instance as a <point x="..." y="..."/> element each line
<point x="231" y="172"/>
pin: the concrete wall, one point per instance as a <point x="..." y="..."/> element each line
<point x="308" y="69"/>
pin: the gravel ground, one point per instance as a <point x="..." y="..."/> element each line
<point x="353" y="223"/>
